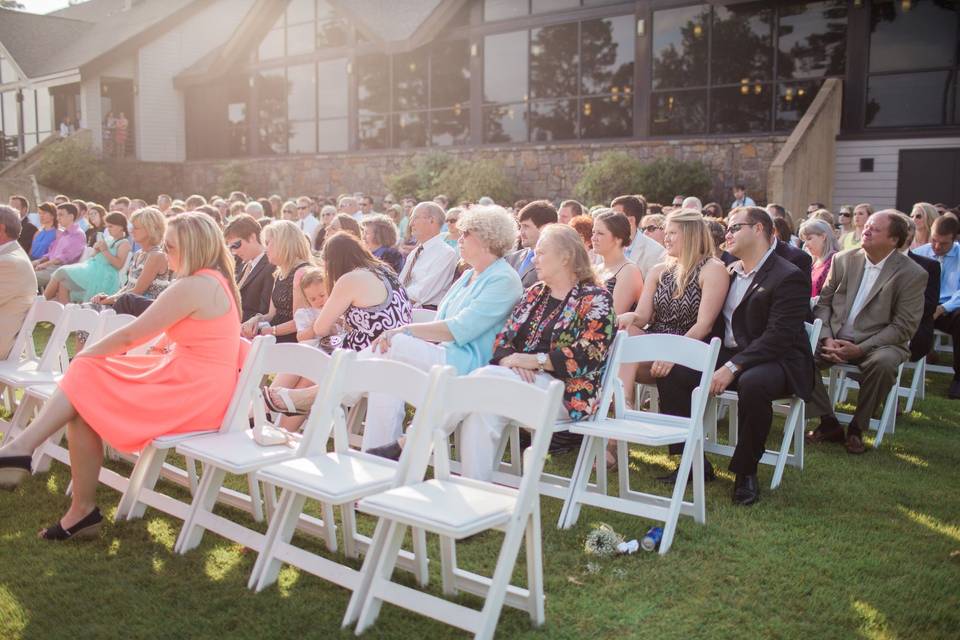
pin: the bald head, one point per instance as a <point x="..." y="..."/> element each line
<point x="426" y="221"/>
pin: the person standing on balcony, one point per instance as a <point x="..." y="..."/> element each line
<point x="741" y="199"/>
<point x="120" y="136"/>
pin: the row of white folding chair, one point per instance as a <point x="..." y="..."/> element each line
<point x="794" y="410"/>
<point x="943" y="347"/>
<point x="888" y="418"/>
<point x="649" y="429"/>
<point x="916" y="390"/>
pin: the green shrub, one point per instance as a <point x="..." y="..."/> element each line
<point x="614" y="174"/>
<point x="419" y="176"/>
<point x="234" y="178"/>
<point x="427" y="175"/>
<point x="665" y="178"/>
<point x="72" y="166"/>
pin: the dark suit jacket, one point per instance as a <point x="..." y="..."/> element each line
<point x="256" y="289"/>
<point x="768" y="323"/>
<point x="788" y="252"/>
<point x="529" y="275"/>
<point x="27" y="231"/>
<point x="922" y="340"/>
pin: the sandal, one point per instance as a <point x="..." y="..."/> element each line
<point x="288" y="408"/>
<point x="85" y="528"/>
<point x="13" y="471"/>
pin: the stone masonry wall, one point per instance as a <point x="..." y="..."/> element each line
<point x="543" y="171"/>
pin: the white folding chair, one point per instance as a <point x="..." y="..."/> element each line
<point x="793" y="408"/>
<point x="943" y="347"/>
<point x="916" y="390"/>
<point x="140" y="492"/>
<point x="342" y="476"/>
<point x="839" y="381"/>
<point x="649" y="429"/>
<point x="423" y="315"/>
<point x="233" y="449"/>
<point x="456" y="508"/>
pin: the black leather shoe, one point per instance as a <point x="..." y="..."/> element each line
<point x="954" y="392"/>
<point x="671" y="478"/>
<point x="746" y="490"/>
<point x="13" y="471"/>
<point x="390" y="451"/>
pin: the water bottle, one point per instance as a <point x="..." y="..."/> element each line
<point x="651" y="541"/>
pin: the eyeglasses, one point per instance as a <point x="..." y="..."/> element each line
<point x="845" y="214"/>
<point x="299" y="208"/>
<point x="235" y="245"/>
<point x="917" y="216"/>
<point x="650" y="228"/>
<point x="732" y="229"/>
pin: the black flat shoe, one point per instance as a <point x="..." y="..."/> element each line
<point x="390" y="451"/>
<point x="746" y="490"/>
<point x="289" y="409"/>
<point x="671" y="478"/>
<point x="13" y="471"/>
<point x="86" y="528"/>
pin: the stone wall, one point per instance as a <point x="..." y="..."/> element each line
<point x="545" y="171"/>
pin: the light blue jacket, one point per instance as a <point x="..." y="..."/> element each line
<point x="949" y="274"/>
<point x="476" y="312"/>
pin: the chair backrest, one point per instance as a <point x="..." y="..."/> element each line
<point x="237" y="415"/>
<point x="111" y="321"/>
<point x="42" y="310"/>
<point x="56" y="354"/>
<point x="813" y="333"/>
<point x="124" y="272"/>
<point x="423" y="315"/>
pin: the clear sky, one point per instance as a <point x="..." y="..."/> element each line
<point x="43" y="6"/>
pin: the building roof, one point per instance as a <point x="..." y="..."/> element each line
<point x="390" y="20"/>
<point x="45" y="44"/>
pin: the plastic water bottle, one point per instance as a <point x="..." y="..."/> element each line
<point x="651" y="541"/>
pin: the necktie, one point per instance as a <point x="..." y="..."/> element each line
<point x="247" y="268"/>
<point x="526" y="262"/>
<point x="413" y="262"/>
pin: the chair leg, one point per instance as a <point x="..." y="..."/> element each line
<point x="378" y="541"/>
<point x="256" y="502"/>
<point x="192" y="475"/>
<point x="448" y="565"/>
<point x="20" y="418"/>
<point x="534" y="547"/>
<point x="381" y="573"/>
<point x="267" y="567"/>
<point x="573" y="490"/>
<point x="789" y="429"/>
<point x="496" y="592"/>
<point x="348" y="528"/>
<point x="192" y="533"/>
<point x="679" y="487"/>
<point x="329" y="527"/>
<point x="144" y="476"/>
<point x="699" y="490"/>
<point x="41" y="457"/>
<point x="419" y="537"/>
<point x="733" y="420"/>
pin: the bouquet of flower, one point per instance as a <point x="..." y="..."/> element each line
<point x="602" y="541"/>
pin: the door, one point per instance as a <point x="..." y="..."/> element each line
<point x="928" y="175"/>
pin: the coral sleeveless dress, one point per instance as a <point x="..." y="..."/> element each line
<point x="131" y="399"/>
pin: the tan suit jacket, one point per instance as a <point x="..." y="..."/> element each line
<point x="18" y="289"/>
<point x="893" y="308"/>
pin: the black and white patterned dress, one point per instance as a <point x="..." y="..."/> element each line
<point x="676" y="315"/>
<point x="365" y="324"/>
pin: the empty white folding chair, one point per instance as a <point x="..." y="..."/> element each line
<point x="838" y="382"/>
<point x="794" y="410"/>
<point x="233" y="449"/>
<point x="140" y="492"/>
<point x="649" y="429"/>
<point x="342" y="476"/>
<point x="456" y="508"/>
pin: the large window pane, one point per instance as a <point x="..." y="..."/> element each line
<point x="373" y="132"/>
<point x="300" y="11"/>
<point x="606" y="117"/>
<point x="743" y="109"/>
<point x="607" y="53"/>
<point x="505" y="123"/>
<point x="331" y="29"/>
<point x="813" y="39"/>
<point x="272" y="45"/>
<point x="237" y="126"/>
<point x="410" y="80"/>
<point x="742" y="41"/>
<point x="793" y="100"/>
<point x="680" y="47"/>
<point x="409" y="130"/>
<point x="373" y="83"/>
<point x="543" y="6"/>
<point x="301" y="39"/>
<point x="505" y="67"/>
<point x="332" y="88"/>
<point x="450" y="74"/>
<point x="923" y="36"/>
<point x="301" y="92"/>
<point x="553" y="120"/>
<point x="30" y="111"/>
<point x="678" y="112"/>
<point x="449" y="127"/>
<point x="333" y="135"/>
<point x="503" y="9"/>
<point x="553" y="61"/>
<point x="913" y="99"/>
<point x="272" y="111"/>
<point x="303" y="137"/>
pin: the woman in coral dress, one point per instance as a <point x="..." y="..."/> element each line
<point x="184" y="384"/>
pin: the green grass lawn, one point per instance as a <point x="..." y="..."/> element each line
<point x="864" y="546"/>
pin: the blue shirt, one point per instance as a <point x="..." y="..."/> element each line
<point x="41" y="243"/>
<point x="476" y="312"/>
<point x="949" y="274"/>
<point x="745" y="201"/>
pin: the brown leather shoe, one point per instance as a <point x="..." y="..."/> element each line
<point x="828" y="431"/>
<point x="854" y="445"/>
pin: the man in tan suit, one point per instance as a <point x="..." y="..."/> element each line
<point x="871" y="306"/>
<point x="18" y="282"/>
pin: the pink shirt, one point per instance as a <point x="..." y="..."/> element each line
<point x="68" y="246"/>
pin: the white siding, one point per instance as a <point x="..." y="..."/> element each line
<point x="160" y="107"/>
<point x="879" y="187"/>
<point x="91" y="111"/>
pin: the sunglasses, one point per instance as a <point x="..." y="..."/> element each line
<point x="302" y="208"/>
<point x="235" y="245"/>
<point x="845" y="214"/>
<point x="650" y="228"/>
<point x="732" y="229"/>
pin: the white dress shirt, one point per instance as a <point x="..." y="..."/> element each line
<point x="309" y="225"/>
<point x="645" y="252"/>
<point x="738" y="289"/>
<point x="870" y="274"/>
<point x="432" y="272"/>
<point x="248" y="268"/>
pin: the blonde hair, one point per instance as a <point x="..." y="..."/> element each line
<point x="569" y="245"/>
<point x="697" y="246"/>
<point x="930" y="214"/>
<point x="152" y="221"/>
<point x="292" y="249"/>
<point x="201" y="246"/>
<point x="311" y="276"/>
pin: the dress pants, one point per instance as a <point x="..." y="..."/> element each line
<point x="757" y="387"/>
<point x="878" y="372"/>
<point x="950" y="323"/>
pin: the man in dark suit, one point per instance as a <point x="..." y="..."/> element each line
<point x="922" y="340"/>
<point x="255" y="273"/>
<point x="27" y="228"/>
<point x="765" y="355"/>
<point x="532" y="218"/>
<point x="801" y="259"/>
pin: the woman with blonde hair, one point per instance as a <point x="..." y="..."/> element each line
<point x="685" y="297"/>
<point x="851" y="239"/>
<point x="186" y="381"/>
<point x="821" y="244"/>
<point x="289" y="250"/>
<point x="923" y="214"/>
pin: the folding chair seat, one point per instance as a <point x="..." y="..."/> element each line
<point x="793" y="408"/>
<point x="840" y="379"/>
<point x="456" y="508"/>
<point x="649" y="429"/>
<point x="943" y="348"/>
<point x="340" y="477"/>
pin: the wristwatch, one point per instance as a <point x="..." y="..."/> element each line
<point x="734" y="369"/>
<point x="541" y="361"/>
